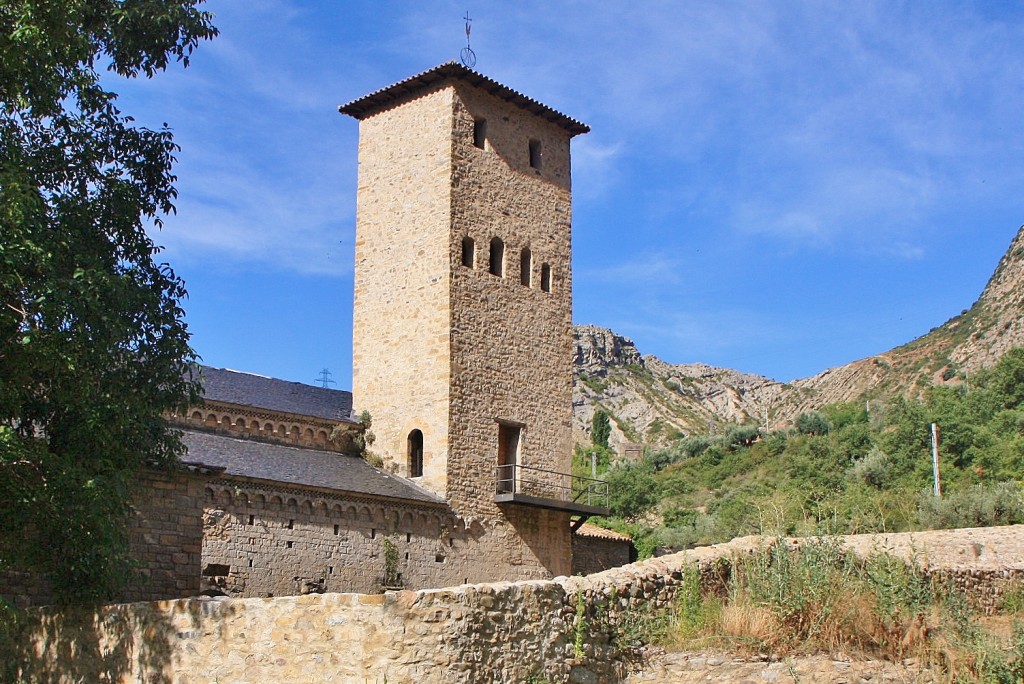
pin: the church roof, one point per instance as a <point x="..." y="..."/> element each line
<point x="369" y="105"/>
<point x="296" y="466"/>
<point x="259" y="391"/>
<point x="588" y="530"/>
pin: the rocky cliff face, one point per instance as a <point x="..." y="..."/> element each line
<point x="652" y="402"/>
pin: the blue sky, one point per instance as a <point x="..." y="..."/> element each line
<point x="776" y="187"/>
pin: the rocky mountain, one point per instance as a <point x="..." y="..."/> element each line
<point x="652" y="402"/>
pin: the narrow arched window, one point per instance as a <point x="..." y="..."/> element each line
<point x="545" y="277"/>
<point x="468" y="252"/>
<point x="497" y="264"/>
<point x="525" y="266"/>
<point x="415" y="453"/>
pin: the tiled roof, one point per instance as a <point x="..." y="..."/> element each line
<point x="299" y="467"/>
<point x="588" y="530"/>
<point x="259" y="391"/>
<point x="385" y="97"/>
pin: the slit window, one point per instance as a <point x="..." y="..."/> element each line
<point x="468" y="252"/>
<point x="536" y="156"/>
<point x="497" y="264"/>
<point x="545" y="277"/>
<point x="416" y="453"/>
<point x="525" y="266"/>
<point x="480" y="133"/>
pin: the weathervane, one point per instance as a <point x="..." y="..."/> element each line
<point x="467" y="55"/>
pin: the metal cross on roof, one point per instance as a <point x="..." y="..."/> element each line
<point x="467" y="55"/>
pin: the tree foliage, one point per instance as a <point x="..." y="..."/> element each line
<point x="93" y="348"/>
<point x="600" y="428"/>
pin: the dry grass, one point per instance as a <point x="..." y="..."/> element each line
<point x="818" y="600"/>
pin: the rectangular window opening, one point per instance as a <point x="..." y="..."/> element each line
<point x="337" y="528"/>
<point x="290" y="544"/>
<point x="536" y="156"/>
<point x="480" y="133"/>
<point x="545" y="278"/>
<point x="252" y="519"/>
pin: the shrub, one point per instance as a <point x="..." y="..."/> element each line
<point x="873" y="469"/>
<point x="694" y="446"/>
<point x="977" y="506"/>
<point x="812" y="423"/>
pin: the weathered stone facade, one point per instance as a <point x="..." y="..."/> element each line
<point x="462" y="333"/>
<point x="267" y="540"/>
<point x="500" y="632"/>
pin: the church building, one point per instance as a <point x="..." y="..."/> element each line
<point x="462" y="360"/>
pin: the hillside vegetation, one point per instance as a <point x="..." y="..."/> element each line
<point x="848" y="468"/>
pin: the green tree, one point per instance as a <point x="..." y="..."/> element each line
<point x="600" y="428"/>
<point x="93" y="348"/>
<point x="632" y="490"/>
<point x="812" y="423"/>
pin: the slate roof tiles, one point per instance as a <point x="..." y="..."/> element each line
<point x="297" y="466"/>
<point x="260" y="391"/>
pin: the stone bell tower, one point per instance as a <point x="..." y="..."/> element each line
<point x="462" y="348"/>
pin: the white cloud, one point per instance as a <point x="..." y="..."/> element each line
<point x="649" y="268"/>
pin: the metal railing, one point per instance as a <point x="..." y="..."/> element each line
<point x="549" y="484"/>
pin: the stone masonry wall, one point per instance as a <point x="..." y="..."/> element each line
<point x="455" y="351"/>
<point x="511" y="342"/>
<point x="165" y="535"/>
<point x="263" y="541"/>
<point x="594" y="554"/>
<point x="400" y="334"/>
<point x="501" y="632"/>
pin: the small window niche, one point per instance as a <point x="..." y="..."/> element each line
<point x="525" y="267"/>
<point x="468" y="252"/>
<point x="536" y="154"/>
<point x="497" y="262"/>
<point x="480" y="133"/>
<point x="545" y="277"/>
<point x="416" y="453"/>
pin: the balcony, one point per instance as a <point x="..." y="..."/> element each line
<point x="582" y="497"/>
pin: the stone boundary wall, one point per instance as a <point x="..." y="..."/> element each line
<point x="499" y="632"/>
<point x="592" y="554"/>
<point x="164" y="534"/>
